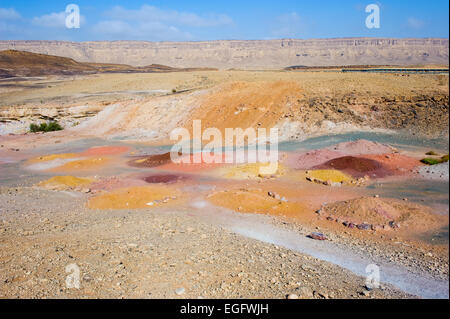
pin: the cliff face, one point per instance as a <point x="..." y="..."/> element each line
<point x="261" y="54"/>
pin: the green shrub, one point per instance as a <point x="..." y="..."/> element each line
<point x="434" y="161"/>
<point x="45" y="127"/>
<point x="430" y="161"/>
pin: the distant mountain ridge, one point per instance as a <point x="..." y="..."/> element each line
<point x="248" y="54"/>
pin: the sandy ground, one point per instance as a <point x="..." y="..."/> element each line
<point x="103" y="195"/>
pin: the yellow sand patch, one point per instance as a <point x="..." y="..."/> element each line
<point x="253" y="170"/>
<point x="83" y="164"/>
<point x="65" y="182"/>
<point x="52" y="157"/>
<point x="256" y="201"/>
<point x="331" y="175"/>
<point x="135" y="197"/>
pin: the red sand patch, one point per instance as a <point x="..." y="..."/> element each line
<point x="398" y="164"/>
<point x="151" y="161"/>
<point x="307" y="160"/>
<point x="357" y="167"/>
<point x="105" y="150"/>
<point x="112" y="183"/>
<point x="164" y="178"/>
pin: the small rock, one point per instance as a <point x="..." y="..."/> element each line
<point x="364" y="226"/>
<point x="317" y="236"/>
<point x="292" y="296"/>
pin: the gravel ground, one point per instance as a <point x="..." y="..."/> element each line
<point x="149" y="254"/>
<point x="435" y="172"/>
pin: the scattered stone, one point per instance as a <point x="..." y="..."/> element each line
<point x="317" y="236"/>
<point x="292" y="296"/>
<point x="364" y="226"/>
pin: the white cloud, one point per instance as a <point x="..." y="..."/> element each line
<point x="415" y="23"/>
<point x="152" y="23"/>
<point x="172" y="17"/>
<point x="53" y="20"/>
<point x="118" y="29"/>
<point x="287" y="26"/>
<point x="9" y="14"/>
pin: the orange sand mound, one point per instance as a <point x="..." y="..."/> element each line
<point x="83" y="164"/>
<point x="105" y="150"/>
<point x="47" y="158"/>
<point x="329" y="175"/>
<point x="381" y="212"/>
<point x="65" y="182"/>
<point x="250" y="171"/>
<point x="136" y="197"/>
<point x="247" y="104"/>
<point x="256" y="201"/>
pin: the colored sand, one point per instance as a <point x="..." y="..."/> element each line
<point x="255" y="201"/>
<point x="65" y="182"/>
<point x="105" y="150"/>
<point x="307" y="160"/>
<point x="357" y="166"/>
<point x="151" y="161"/>
<point x="164" y="179"/>
<point x="83" y="164"/>
<point x="250" y="171"/>
<point x="191" y="166"/>
<point x="377" y="211"/>
<point x="111" y="183"/>
<point x="396" y="163"/>
<point x="331" y="175"/>
<point x="134" y="197"/>
<point x="52" y="157"/>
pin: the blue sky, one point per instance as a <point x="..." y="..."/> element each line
<point x="184" y="20"/>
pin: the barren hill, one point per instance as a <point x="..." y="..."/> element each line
<point x="264" y="54"/>
<point x="21" y="63"/>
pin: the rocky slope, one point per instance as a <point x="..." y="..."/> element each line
<point x="265" y="54"/>
<point x="21" y="63"/>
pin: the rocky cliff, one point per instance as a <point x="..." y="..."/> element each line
<point x="260" y="54"/>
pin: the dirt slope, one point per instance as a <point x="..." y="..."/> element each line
<point x="21" y="63"/>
